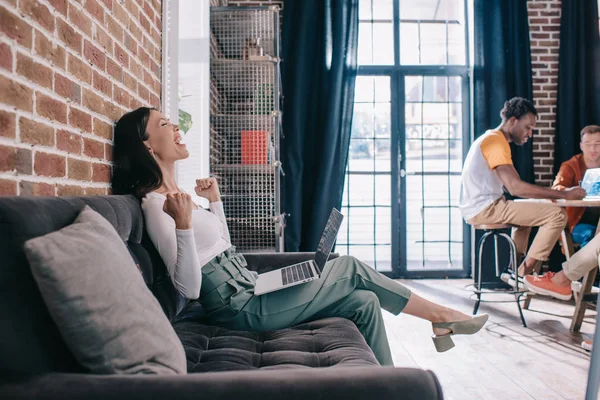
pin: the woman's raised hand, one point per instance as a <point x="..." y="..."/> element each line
<point x="179" y="206"/>
<point x="208" y="188"/>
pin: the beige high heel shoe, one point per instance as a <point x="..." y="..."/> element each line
<point x="469" y="327"/>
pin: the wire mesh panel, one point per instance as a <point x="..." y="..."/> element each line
<point x="245" y="123"/>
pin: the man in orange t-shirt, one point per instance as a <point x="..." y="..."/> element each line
<point x="582" y="221"/>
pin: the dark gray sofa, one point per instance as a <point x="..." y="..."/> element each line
<point x="222" y="364"/>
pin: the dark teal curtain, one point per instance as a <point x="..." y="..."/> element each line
<point x="319" y="47"/>
<point x="502" y="68"/>
<point x="578" y="76"/>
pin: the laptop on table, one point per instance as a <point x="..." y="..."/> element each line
<point x="591" y="184"/>
<point x="306" y="271"/>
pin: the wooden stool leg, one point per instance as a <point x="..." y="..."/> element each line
<point x="580" y="300"/>
<point x="536" y="268"/>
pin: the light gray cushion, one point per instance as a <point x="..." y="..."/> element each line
<point x="98" y="299"/>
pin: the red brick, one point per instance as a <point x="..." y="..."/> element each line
<point x="136" y="69"/>
<point x="15" y="28"/>
<point x="114" y="70"/>
<point x="12" y="158"/>
<point x="114" y="28"/>
<point x="144" y="57"/>
<point x="52" y="52"/>
<point x="143" y="92"/>
<point x="135" y="31"/>
<point x="34" y="71"/>
<point x="154" y="101"/>
<point x="93" y="148"/>
<point x="102" y="84"/>
<point x="68" y="35"/>
<point x="8" y="188"/>
<point x="60" y="6"/>
<point x="94" y="8"/>
<point x="80" y="119"/>
<point x="36" y="189"/>
<point x="70" y="190"/>
<point x="104" y="39"/>
<point x="108" y="4"/>
<point x="121" y="55"/>
<point x="551" y="28"/>
<point x="94" y="55"/>
<point x="121" y="14"/>
<point x="66" y="88"/>
<point x="101" y="173"/>
<point x="132" y="8"/>
<point x="95" y="191"/>
<point x="39" y="13"/>
<point x="6" y="58"/>
<point x="8" y="124"/>
<point x="122" y="97"/>
<point x="51" y="108"/>
<point x="130" y="43"/>
<point x="82" y="71"/>
<point x="80" y="170"/>
<point x="130" y="81"/>
<point x="148" y="9"/>
<point x="69" y="142"/>
<point x="82" y="21"/>
<point x="108" y="149"/>
<point x="94" y="102"/>
<point x="157" y="22"/>
<point x="148" y="80"/>
<point x="16" y="94"/>
<point x="36" y="133"/>
<point x="47" y="164"/>
<point x="102" y="129"/>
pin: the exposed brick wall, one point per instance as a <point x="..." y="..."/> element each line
<point x="544" y="28"/>
<point x="68" y="70"/>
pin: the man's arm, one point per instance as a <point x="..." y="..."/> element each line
<point x="565" y="178"/>
<point x="516" y="187"/>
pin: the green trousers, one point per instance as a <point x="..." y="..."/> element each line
<point x="347" y="288"/>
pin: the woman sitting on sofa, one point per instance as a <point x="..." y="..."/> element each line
<point x="196" y="249"/>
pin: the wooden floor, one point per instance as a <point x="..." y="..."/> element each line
<point x="505" y="360"/>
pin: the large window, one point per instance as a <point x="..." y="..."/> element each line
<point x="409" y="133"/>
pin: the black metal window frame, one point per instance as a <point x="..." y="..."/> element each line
<point x="397" y="74"/>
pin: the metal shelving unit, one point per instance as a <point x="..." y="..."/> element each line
<point x="245" y="123"/>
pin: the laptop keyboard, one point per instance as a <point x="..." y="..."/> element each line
<point x="297" y="272"/>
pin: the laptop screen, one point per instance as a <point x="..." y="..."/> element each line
<point x="591" y="182"/>
<point x="328" y="238"/>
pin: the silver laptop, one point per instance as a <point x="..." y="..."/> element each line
<point x="303" y="272"/>
<point x="591" y="184"/>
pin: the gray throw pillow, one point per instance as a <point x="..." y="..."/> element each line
<point x="97" y="297"/>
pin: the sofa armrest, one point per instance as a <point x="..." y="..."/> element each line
<point x="289" y="384"/>
<point x="265" y="262"/>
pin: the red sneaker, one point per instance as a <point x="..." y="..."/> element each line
<point x="543" y="284"/>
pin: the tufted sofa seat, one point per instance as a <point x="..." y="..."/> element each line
<point x="35" y="363"/>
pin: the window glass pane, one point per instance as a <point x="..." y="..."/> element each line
<point x="365" y="43"/>
<point x="384" y="258"/>
<point x="383" y="9"/>
<point x="383" y="44"/>
<point x="361" y="155"/>
<point x="361" y="190"/>
<point x="383" y="190"/>
<point x="435" y="88"/>
<point x="362" y="121"/>
<point x="456" y="44"/>
<point x="455" y="89"/>
<point x="437" y="10"/>
<point x="382" y="89"/>
<point x="362" y="225"/>
<point x="382" y="120"/>
<point x="383" y="226"/>
<point x="364" y="9"/>
<point x="364" y="90"/>
<point x="409" y="44"/>
<point x="433" y="44"/>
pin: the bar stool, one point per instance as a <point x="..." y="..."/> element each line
<point x="494" y="231"/>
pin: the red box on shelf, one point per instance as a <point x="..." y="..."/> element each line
<point x="255" y="147"/>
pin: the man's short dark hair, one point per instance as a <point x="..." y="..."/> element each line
<point x="517" y="107"/>
<point x="590" y="129"/>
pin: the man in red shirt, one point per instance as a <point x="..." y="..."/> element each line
<point x="582" y="221"/>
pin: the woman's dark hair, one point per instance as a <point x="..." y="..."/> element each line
<point x="517" y="107"/>
<point x="135" y="171"/>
